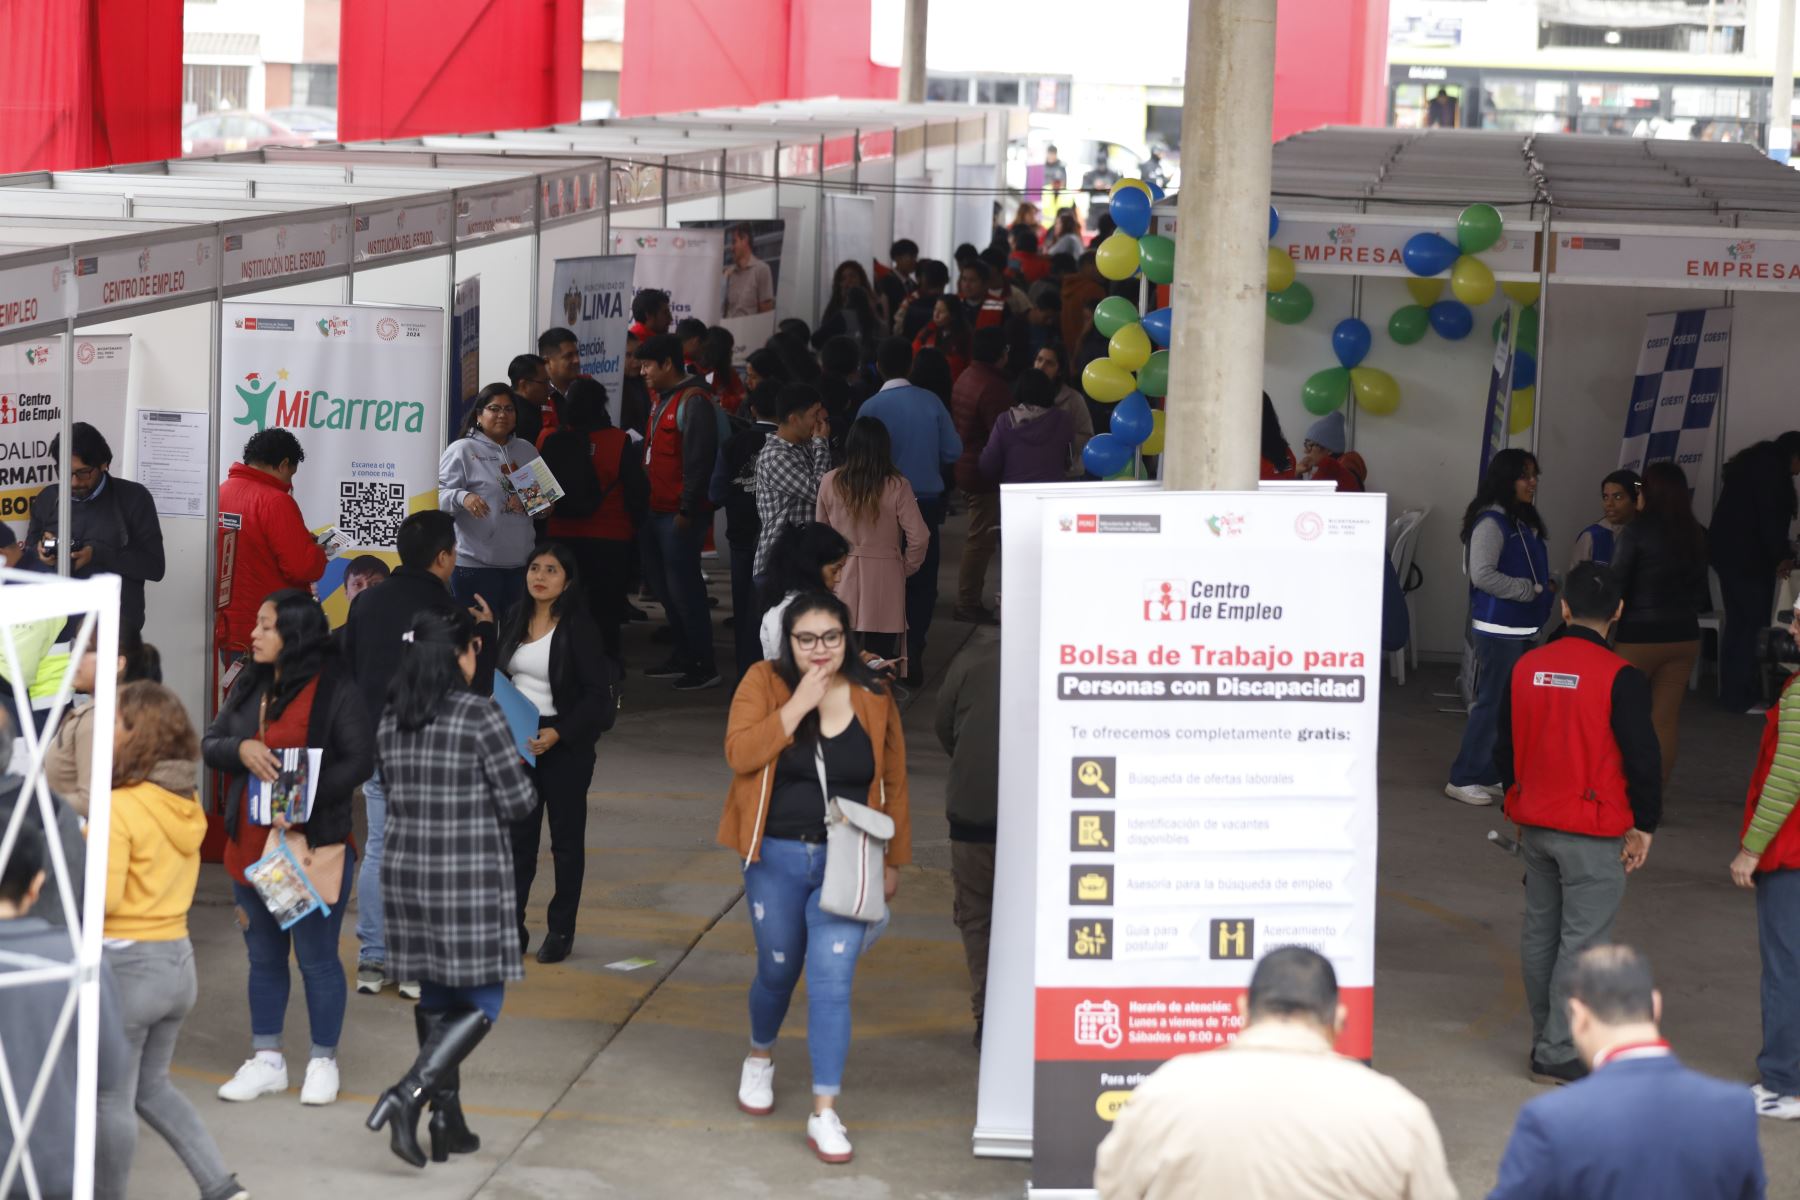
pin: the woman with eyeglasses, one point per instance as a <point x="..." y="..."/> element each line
<point x="494" y="533"/>
<point x="818" y="708"/>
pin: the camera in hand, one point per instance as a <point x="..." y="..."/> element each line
<point x="1775" y="647"/>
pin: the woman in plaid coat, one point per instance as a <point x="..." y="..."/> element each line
<point x="454" y="786"/>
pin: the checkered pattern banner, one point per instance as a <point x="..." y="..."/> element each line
<point x="1680" y="381"/>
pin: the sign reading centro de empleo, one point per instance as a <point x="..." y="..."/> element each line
<point x="361" y="388"/>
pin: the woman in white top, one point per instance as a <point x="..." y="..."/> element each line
<point x="551" y="651"/>
<point x="806" y="558"/>
<point x="494" y="534"/>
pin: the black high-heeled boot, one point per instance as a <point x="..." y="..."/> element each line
<point x="448" y="1040"/>
<point x="450" y="1132"/>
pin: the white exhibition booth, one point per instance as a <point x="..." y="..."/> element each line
<point x="154" y="250"/>
<point x="1612" y="229"/>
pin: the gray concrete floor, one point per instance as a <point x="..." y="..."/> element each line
<point x="599" y="1082"/>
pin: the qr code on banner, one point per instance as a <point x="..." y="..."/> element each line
<point x="369" y="514"/>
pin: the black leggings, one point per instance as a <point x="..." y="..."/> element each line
<point x="561" y="777"/>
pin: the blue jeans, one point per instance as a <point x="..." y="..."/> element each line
<point x="371" y="928"/>
<point x="315" y="946"/>
<point x="922" y="585"/>
<point x="441" y="997"/>
<point x="672" y="568"/>
<point x="1494" y="661"/>
<point x="781" y="891"/>
<point x="501" y="587"/>
<point x="1778" y="938"/>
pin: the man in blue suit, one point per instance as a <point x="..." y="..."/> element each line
<point x="1641" y="1126"/>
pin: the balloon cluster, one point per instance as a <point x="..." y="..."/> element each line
<point x="1375" y="390"/>
<point x="1289" y="300"/>
<point x="1429" y="255"/>
<point x="1136" y="365"/>
<point x="1525" y="348"/>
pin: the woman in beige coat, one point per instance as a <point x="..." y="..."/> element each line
<point x="869" y="501"/>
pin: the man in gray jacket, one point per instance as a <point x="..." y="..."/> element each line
<point x="968" y="725"/>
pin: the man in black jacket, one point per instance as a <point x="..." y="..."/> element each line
<point x="115" y="530"/>
<point x="370" y="642"/>
<point x="1750" y="550"/>
<point x="968" y="727"/>
<point x="743" y="525"/>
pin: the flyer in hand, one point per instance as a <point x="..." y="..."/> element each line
<point x="283" y="886"/>
<point x="534" y="486"/>
<point x="290" y="794"/>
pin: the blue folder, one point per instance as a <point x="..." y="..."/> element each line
<point x="521" y="714"/>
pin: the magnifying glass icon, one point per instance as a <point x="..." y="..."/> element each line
<point x="1090" y="775"/>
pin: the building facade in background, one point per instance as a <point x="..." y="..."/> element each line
<point x="257" y="73"/>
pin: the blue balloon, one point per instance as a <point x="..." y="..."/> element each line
<point x="1350" y="341"/>
<point x="1429" y="254"/>
<point x="1106" y="455"/>
<point x="1130" y="211"/>
<point x="1131" y="420"/>
<point x="1157" y="325"/>
<point x="1452" y="319"/>
<point x="1524" y="370"/>
<point x="1274" y="222"/>
<point x="1156" y="190"/>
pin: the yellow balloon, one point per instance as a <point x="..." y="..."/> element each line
<point x="1117" y="257"/>
<point x="1523" y="293"/>
<point x="1471" y="281"/>
<point x="1425" y="292"/>
<point x="1106" y="382"/>
<point x="1524" y="410"/>
<point x="1375" y="390"/>
<point x="1139" y="184"/>
<point x="1154" y="443"/>
<point x="1130" y="347"/>
<point x="1281" y="270"/>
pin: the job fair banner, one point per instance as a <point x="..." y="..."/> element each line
<point x="750" y="279"/>
<point x="31" y="411"/>
<point x="1680" y="381"/>
<point x="1494" y="422"/>
<point x="595" y="298"/>
<point x="465" y="362"/>
<point x="1206" y="751"/>
<point x="361" y="388"/>
<point x="682" y="262"/>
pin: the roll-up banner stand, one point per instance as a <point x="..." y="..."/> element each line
<point x="31" y="409"/>
<point x="750" y="280"/>
<point x="594" y="295"/>
<point x="1204" y="756"/>
<point x="361" y="387"/>
<point x="1679" y="384"/>
<point x="682" y="262"/>
<point x="465" y="362"/>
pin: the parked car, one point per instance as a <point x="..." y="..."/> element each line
<point x="319" y="124"/>
<point x="231" y="131"/>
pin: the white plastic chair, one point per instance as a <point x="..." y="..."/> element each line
<point x="1403" y="542"/>
<point x="1715" y="621"/>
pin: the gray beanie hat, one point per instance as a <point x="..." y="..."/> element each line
<point x="1328" y="431"/>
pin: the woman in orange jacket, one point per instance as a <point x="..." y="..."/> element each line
<point x="817" y="701"/>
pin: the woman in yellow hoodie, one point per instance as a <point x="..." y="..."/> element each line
<point x="152" y="865"/>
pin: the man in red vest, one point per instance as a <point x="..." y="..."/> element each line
<point x="1768" y="860"/>
<point x="1583" y="778"/>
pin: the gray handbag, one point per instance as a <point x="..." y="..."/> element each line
<point x="856" y="838"/>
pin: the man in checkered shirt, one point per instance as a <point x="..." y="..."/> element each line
<point x="790" y="467"/>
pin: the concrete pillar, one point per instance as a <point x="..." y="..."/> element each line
<point x="1214" y="404"/>
<point x="1781" y="96"/>
<point x="912" y="53"/>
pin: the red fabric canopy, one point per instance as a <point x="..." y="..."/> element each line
<point x="89" y="83"/>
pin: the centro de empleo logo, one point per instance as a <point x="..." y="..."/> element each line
<point x="313" y="408"/>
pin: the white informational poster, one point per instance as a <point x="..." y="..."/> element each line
<point x="361" y="387"/>
<point x="1679" y="386"/>
<point x="849" y="236"/>
<point x="31" y="411"/>
<point x="171" y="461"/>
<point x="595" y="299"/>
<point x="465" y="362"/>
<point x="750" y="280"/>
<point x="682" y="262"/>
<point x="1205" y="761"/>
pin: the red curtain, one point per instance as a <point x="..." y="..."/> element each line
<point x="407" y="68"/>
<point x="89" y="83"/>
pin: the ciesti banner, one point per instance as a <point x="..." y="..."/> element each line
<point x="1207" y="753"/>
<point x="595" y="295"/>
<point x="31" y="411"/>
<point x="1679" y="383"/>
<point x="361" y="387"/>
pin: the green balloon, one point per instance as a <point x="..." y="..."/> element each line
<point x="1292" y="306"/>
<point x="1153" y="376"/>
<point x="1156" y="255"/>
<point x="1477" y="228"/>
<point x="1527" y="339"/>
<point x="1326" y="391"/>
<point x="1113" y="314"/>
<point x="1409" y="324"/>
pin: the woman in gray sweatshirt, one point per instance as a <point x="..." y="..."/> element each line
<point x="494" y="535"/>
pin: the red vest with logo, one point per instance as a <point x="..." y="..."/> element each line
<point x="992" y="310"/>
<point x="1784" y="848"/>
<point x="611" y="521"/>
<point x="662" y="452"/>
<point x="1569" y="771"/>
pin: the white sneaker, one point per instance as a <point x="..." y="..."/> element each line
<point x="826" y="1135"/>
<point x="321" y="1086"/>
<point x="1496" y="790"/>
<point x="1473" y="794"/>
<point x="1774" y="1106"/>
<point x="257" y="1077"/>
<point x="756" y="1086"/>
<point x="408" y="989"/>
